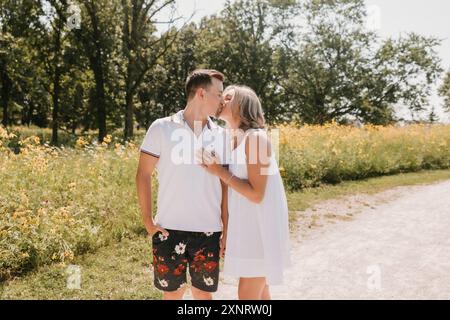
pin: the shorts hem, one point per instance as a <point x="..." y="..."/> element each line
<point x="212" y="290"/>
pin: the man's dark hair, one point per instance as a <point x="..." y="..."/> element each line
<point x="200" y="78"/>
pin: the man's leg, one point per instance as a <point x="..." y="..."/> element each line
<point x="203" y="256"/>
<point x="200" y="294"/>
<point x="170" y="264"/>
<point x="174" y="295"/>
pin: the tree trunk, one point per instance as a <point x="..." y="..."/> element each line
<point x="100" y="99"/>
<point x="96" y="59"/>
<point x="128" y="134"/>
<point x="5" y="93"/>
<point x="56" y="88"/>
<point x="88" y="114"/>
<point x="30" y="113"/>
<point x="27" y="113"/>
<point x="55" y="96"/>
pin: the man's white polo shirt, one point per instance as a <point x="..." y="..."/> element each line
<point x="189" y="198"/>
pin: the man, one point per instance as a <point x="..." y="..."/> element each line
<point x="191" y="204"/>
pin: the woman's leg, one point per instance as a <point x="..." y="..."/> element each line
<point x="251" y="288"/>
<point x="266" y="293"/>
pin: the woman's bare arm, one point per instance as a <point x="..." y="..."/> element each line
<point x="258" y="152"/>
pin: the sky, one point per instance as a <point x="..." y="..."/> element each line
<point x="391" y="18"/>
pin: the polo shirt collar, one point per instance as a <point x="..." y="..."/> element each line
<point x="179" y="118"/>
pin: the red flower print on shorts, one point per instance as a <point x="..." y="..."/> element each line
<point x="197" y="266"/>
<point x="179" y="270"/>
<point x="200" y="258"/>
<point x="210" y="266"/>
<point x="162" y="269"/>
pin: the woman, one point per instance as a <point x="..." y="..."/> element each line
<point x="257" y="243"/>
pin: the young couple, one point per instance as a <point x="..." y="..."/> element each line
<point x="207" y="210"/>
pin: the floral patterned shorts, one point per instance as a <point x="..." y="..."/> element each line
<point x="198" y="251"/>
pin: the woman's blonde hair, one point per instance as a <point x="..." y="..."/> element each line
<point x="247" y="103"/>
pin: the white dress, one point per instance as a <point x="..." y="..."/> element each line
<point x="258" y="234"/>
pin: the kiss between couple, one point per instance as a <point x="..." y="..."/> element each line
<point x="227" y="201"/>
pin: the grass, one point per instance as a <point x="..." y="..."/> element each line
<point x="123" y="271"/>
<point x="307" y="197"/>
<point x="118" y="271"/>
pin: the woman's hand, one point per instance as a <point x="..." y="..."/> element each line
<point x="210" y="162"/>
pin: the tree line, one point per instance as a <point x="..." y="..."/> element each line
<point x="104" y="64"/>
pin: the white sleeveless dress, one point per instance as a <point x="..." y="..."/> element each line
<point x="258" y="234"/>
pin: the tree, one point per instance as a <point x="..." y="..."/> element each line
<point x="444" y="91"/>
<point x="341" y="69"/>
<point x="328" y="63"/>
<point x="53" y="45"/>
<point x="162" y="92"/>
<point x="432" y="116"/>
<point x="99" y="37"/>
<point x="242" y="41"/>
<point x="118" y="65"/>
<point x="402" y="72"/>
<point x="6" y="51"/>
<point x="141" y="49"/>
<point x="18" y="24"/>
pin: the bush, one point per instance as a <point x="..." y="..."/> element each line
<point x="311" y="155"/>
<point x="56" y="203"/>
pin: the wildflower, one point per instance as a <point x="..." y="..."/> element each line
<point x="81" y="142"/>
<point x="107" y="139"/>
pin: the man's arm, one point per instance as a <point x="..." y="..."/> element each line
<point x="224" y="209"/>
<point x="147" y="164"/>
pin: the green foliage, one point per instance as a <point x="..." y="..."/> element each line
<point x="444" y="91"/>
<point x="52" y="209"/>
<point x="341" y="70"/>
<point x="312" y="60"/>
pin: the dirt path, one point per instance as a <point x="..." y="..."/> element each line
<point x="392" y="245"/>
